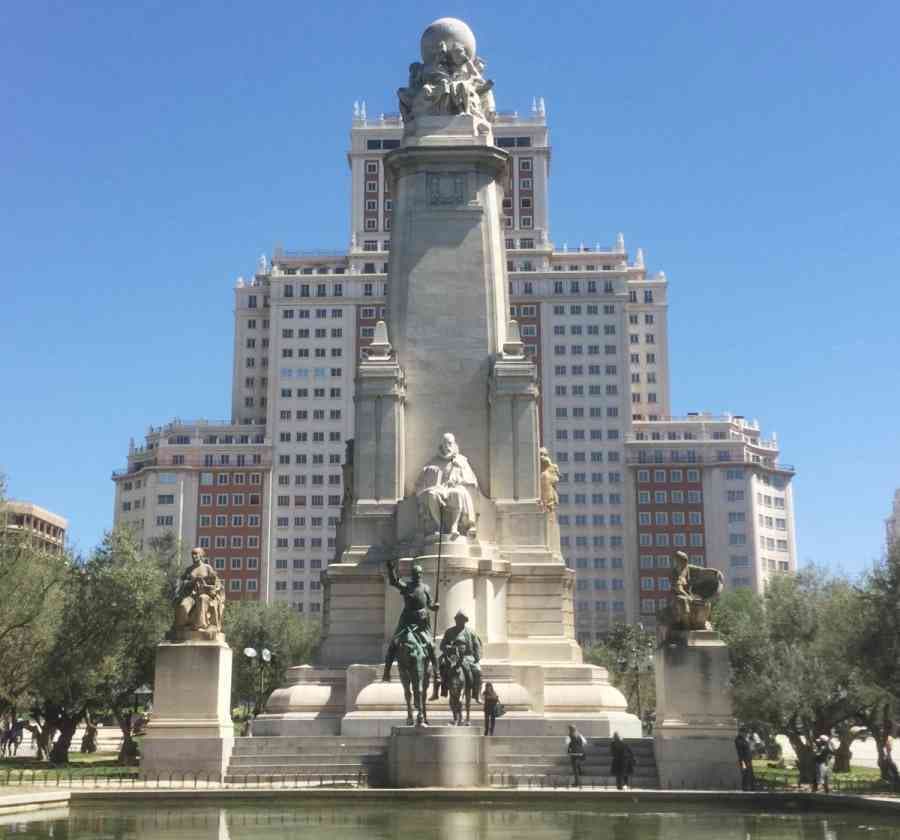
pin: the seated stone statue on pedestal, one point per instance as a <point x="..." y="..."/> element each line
<point x="444" y="492"/>
<point x="693" y="588"/>
<point x="199" y="600"/>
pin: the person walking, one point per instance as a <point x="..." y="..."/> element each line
<point x="823" y="754"/>
<point x="623" y="762"/>
<point x="491" y="701"/>
<point x="745" y="759"/>
<point x="576" y="744"/>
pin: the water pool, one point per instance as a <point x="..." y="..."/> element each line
<point x="422" y="820"/>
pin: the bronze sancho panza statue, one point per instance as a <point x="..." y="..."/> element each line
<point x="693" y="591"/>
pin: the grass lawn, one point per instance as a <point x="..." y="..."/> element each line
<point x="81" y="766"/>
<point x="863" y="779"/>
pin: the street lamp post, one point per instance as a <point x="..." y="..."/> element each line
<point x="263" y="660"/>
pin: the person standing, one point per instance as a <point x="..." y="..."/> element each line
<point x="622" y="766"/>
<point x="576" y="744"/>
<point x="745" y="759"/>
<point x="823" y="754"/>
<point x="491" y="701"/>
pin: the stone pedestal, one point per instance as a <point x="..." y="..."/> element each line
<point x="695" y="726"/>
<point x="435" y="756"/>
<point x="190" y="730"/>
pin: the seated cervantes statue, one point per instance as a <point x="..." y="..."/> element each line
<point x="693" y="590"/>
<point x="200" y="598"/>
<point x="444" y="491"/>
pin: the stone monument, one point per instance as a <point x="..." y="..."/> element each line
<point x="695" y="726"/>
<point x="191" y="730"/>
<point x="447" y="371"/>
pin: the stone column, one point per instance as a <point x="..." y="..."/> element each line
<point x="695" y="725"/>
<point x="448" y="301"/>
<point x="190" y="730"/>
<point x="354" y="587"/>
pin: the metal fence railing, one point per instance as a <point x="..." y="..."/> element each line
<point x="63" y="779"/>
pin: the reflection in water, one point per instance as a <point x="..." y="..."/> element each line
<point x="417" y="820"/>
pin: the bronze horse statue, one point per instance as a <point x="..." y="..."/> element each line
<point x="415" y="674"/>
<point x="458" y="686"/>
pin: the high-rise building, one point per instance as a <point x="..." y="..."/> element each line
<point x="591" y="315"/>
<point x="208" y="484"/>
<point x="45" y="529"/>
<point x="713" y="488"/>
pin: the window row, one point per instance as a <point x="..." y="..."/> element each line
<point x="232" y="541"/>
<point x="235" y="499"/>
<point x="676" y="517"/>
<point x="674" y="497"/>
<point x="229" y="478"/>
<point x="661" y="540"/>
<point x="663" y="476"/>
<point x="314" y="501"/>
<point x="236" y="563"/>
<point x="235" y="520"/>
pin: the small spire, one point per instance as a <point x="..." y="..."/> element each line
<point x="239" y="283"/>
<point x="362" y="111"/>
<point x="356" y="109"/>
<point x="380" y="349"/>
<point x="513" y="345"/>
<point x="639" y="258"/>
<point x="534" y="105"/>
<point x="542" y="108"/>
<point x="620" y="243"/>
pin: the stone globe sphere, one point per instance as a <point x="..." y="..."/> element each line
<point x="449" y="30"/>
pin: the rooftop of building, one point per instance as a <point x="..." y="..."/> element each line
<point x="36" y="511"/>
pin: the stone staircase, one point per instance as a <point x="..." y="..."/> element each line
<point x="313" y="759"/>
<point x="511" y="760"/>
<point x="543" y="760"/>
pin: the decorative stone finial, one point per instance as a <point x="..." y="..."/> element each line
<point x="542" y="108"/>
<point x="513" y="345"/>
<point x="639" y="258"/>
<point x="239" y="283"/>
<point x="262" y="264"/>
<point x="380" y="349"/>
<point x="620" y="243"/>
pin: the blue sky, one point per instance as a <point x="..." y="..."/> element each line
<point x="150" y="152"/>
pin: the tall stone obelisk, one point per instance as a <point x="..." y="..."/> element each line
<point x="449" y="362"/>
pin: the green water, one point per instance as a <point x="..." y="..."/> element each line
<point x="417" y="820"/>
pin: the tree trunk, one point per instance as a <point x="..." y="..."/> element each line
<point x="842" y="754"/>
<point x="59" y="754"/>
<point x="806" y="762"/>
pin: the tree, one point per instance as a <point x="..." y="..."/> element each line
<point x="276" y="627"/>
<point x="627" y="653"/>
<point x="30" y="610"/>
<point x="111" y="619"/>
<point x="877" y="647"/>
<point x="791" y="654"/>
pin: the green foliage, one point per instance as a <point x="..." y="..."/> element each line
<point x="627" y="653"/>
<point x="277" y="627"/>
<point x="878" y="639"/>
<point x="112" y="616"/>
<point x="796" y="661"/>
<point x="30" y="612"/>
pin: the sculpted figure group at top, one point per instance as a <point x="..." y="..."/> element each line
<point x="449" y="78"/>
